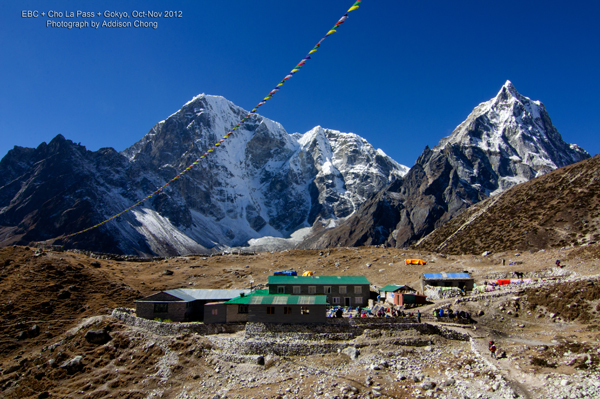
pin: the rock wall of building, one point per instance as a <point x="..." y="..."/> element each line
<point x="334" y="329"/>
<point x="347" y="328"/>
<point x="156" y="327"/>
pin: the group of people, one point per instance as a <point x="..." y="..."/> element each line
<point x="441" y="312"/>
<point x="381" y="312"/>
<point x="339" y="312"/>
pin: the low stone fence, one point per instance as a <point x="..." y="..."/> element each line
<point x="345" y="329"/>
<point x="128" y="317"/>
<point x="288" y="347"/>
<point x="518" y="289"/>
<point x="335" y="329"/>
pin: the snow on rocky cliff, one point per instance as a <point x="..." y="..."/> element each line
<point x="262" y="181"/>
<point x="513" y="138"/>
<point x="505" y="141"/>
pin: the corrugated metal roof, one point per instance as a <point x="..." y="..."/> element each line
<point x="457" y="275"/>
<point x="442" y="276"/>
<point x="394" y="287"/>
<point x="319" y="280"/>
<point x="280" y="299"/>
<point x="190" y="294"/>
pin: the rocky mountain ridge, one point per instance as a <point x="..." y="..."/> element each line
<point x="507" y="140"/>
<point x="263" y="181"/>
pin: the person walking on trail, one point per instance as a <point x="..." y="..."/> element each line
<point x="418" y="316"/>
<point x="493" y="349"/>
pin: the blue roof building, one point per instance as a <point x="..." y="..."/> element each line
<point x="460" y="280"/>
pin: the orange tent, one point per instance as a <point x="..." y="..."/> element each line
<point x="415" y="262"/>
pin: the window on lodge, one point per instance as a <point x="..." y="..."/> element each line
<point x="161" y="307"/>
<point x="296" y="289"/>
<point x="287" y="310"/>
<point x="242" y="308"/>
<point x="342" y="289"/>
<point x="357" y="289"/>
<point x="304" y="310"/>
<point x="270" y="309"/>
<point x="327" y="290"/>
<point x="281" y="290"/>
<point x="312" y="289"/>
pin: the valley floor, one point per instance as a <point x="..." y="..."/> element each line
<point x="54" y="304"/>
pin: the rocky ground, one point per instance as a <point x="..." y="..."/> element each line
<point x="57" y="338"/>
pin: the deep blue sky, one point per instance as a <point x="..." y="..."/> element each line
<point x="402" y="74"/>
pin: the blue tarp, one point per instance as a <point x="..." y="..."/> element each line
<point x="285" y="273"/>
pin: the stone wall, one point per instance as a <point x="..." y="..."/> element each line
<point x="335" y="329"/>
<point x="312" y="314"/>
<point x="234" y="316"/>
<point x="344" y="329"/>
<point x="176" y="311"/>
<point x="156" y="327"/>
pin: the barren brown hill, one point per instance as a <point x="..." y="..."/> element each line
<point x="560" y="209"/>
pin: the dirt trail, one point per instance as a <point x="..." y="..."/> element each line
<point x="521" y="382"/>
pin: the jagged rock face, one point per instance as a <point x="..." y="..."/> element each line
<point x="58" y="190"/>
<point x="349" y="171"/>
<point x="403" y="212"/>
<point x="505" y="141"/>
<point x="261" y="181"/>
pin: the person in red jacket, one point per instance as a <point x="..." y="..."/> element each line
<point x="493" y="349"/>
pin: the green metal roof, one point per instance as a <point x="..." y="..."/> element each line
<point x="394" y="287"/>
<point x="319" y="280"/>
<point x="281" y="299"/>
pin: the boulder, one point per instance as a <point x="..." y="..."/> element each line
<point x="98" y="337"/>
<point x="34" y="331"/>
<point x="73" y="365"/>
<point x="351" y="352"/>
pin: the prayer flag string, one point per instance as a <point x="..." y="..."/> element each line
<point x="299" y="66"/>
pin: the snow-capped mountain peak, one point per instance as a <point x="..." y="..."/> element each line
<point x="504" y="141"/>
<point x="262" y="181"/>
<point x="509" y="126"/>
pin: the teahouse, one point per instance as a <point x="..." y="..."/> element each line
<point x="401" y="295"/>
<point x="339" y="290"/>
<point x="182" y="304"/>
<point x="261" y="306"/>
